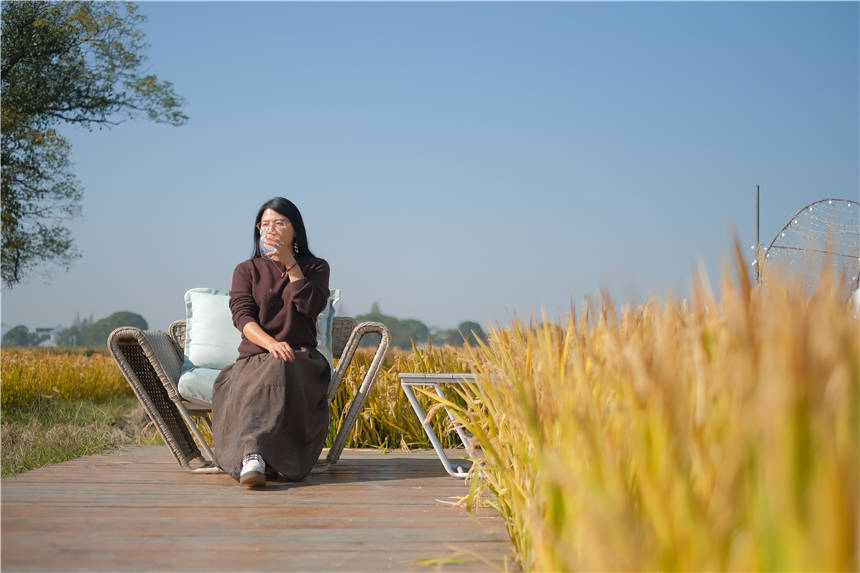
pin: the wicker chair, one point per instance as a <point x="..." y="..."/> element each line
<point x="151" y="362"/>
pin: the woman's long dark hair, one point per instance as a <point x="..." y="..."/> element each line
<point x="286" y="208"/>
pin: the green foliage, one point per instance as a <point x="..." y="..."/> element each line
<point x="94" y="334"/>
<point x="406" y="332"/>
<point x="469" y="331"/>
<point x="53" y="431"/>
<point x="403" y="332"/>
<point x="64" y="62"/>
<point x="21" y="336"/>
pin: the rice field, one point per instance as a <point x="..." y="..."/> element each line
<point x="58" y="404"/>
<point x="719" y="433"/>
<point x="387" y="420"/>
<point x="31" y="376"/>
<point x="684" y="436"/>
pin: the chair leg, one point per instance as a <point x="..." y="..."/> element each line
<point x="207" y="452"/>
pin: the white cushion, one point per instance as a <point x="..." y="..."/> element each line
<point x="197" y="384"/>
<point x="212" y="342"/>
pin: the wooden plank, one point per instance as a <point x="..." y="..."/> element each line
<point x="137" y="510"/>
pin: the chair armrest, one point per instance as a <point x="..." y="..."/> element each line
<point x="176" y="331"/>
<point x="150" y="363"/>
<point x="363" y="392"/>
<point x="159" y="350"/>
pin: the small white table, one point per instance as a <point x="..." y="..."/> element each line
<point x="438" y="381"/>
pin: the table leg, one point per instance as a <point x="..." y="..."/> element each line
<point x="434" y="440"/>
<point x="465" y="437"/>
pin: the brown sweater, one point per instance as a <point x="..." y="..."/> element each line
<point x="286" y="310"/>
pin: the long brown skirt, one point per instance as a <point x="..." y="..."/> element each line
<point x="265" y="405"/>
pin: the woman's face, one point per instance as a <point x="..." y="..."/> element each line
<point x="278" y="226"/>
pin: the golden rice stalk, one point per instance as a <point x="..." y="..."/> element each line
<point x="33" y="375"/>
<point x="677" y="436"/>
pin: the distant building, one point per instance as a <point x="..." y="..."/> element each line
<point x="53" y="335"/>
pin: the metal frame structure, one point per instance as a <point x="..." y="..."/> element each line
<point x="764" y="254"/>
<point x="408" y="380"/>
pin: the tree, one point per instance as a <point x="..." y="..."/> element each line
<point x="94" y="334"/>
<point x="21" y="336"/>
<point x="70" y="337"/>
<point x="403" y="332"/>
<point x="470" y="331"/>
<point x="64" y="63"/>
<point x="407" y="331"/>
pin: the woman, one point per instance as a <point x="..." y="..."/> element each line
<point x="269" y="409"/>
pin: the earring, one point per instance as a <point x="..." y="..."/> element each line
<point x="296" y="247"/>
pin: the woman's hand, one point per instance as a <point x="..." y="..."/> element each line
<point x="281" y="350"/>
<point x="273" y="240"/>
<point x="255" y="333"/>
<point x="282" y="241"/>
<point x="284" y="251"/>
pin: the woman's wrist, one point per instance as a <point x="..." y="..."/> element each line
<point x="292" y="268"/>
<point x="255" y="333"/>
<point x="288" y="260"/>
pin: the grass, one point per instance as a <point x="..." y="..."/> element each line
<point x="60" y="430"/>
<point x="58" y="404"/>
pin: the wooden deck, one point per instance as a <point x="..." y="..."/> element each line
<point x="137" y="510"/>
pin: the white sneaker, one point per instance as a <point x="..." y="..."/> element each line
<point x="253" y="471"/>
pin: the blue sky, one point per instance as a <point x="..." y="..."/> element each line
<point x="463" y="161"/>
